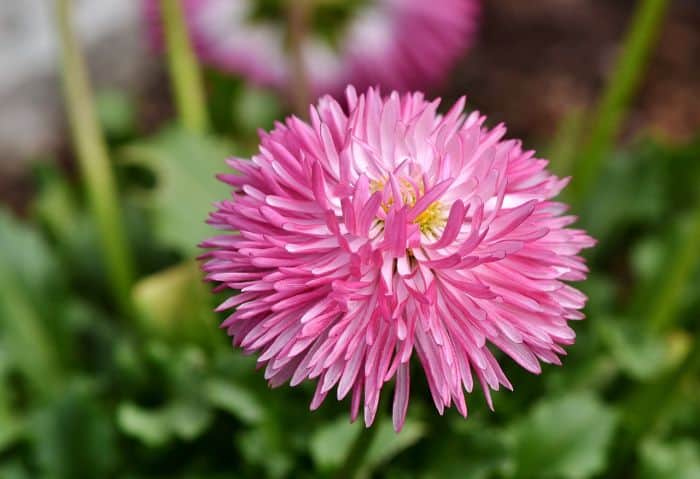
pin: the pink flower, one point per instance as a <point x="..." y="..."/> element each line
<point x="399" y="44"/>
<point x="366" y="237"/>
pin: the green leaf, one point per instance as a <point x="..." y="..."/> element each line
<point x="387" y="444"/>
<point x="264" y="446"/>
<point x="175" y="303"/>
<point x="26" y="255"/>
<point x="566" y="437"/>
<point x="155" y="427"/>
<point x="667" y="299"/>
<point x="55" y="204"/>
<point x="615" y="203"/>
<point x="636" y="350"/>
<point x="189" y="419"/>
<point x="116" y="114"/>
<point x="14" y="470"/>
<point x="679" y="459"/>
<point x="27" y="282"/>
<point x="638" y="188"/>
<point x="647" y="258"/>
<point x="331" y="443"/>
<point x="150" y="427"/>
<point x="255" y="108"/>
<point x="185" y="165"/>
<point x="73" y="436"/>
<point x="235" y="400"/>
<point x="473" y="449"/>
<point x="11" y="426"/>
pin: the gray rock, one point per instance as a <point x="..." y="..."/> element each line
<point x="32" y="121"/>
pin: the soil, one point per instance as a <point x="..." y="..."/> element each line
<point x="536" y="60"/>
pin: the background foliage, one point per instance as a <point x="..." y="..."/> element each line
<point x="89" y="388"/>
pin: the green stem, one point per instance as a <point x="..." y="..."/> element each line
<point x="563" y="148"/>
<point x="676" y="276"/>
<point x="93" y="159"/>
<point x="185" y="76"/>
<point x="298" y="16"/>
<point x="621" y="87"/>
<point x="354" y="461"/>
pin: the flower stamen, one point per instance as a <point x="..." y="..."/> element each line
<point x="431" y="218"/>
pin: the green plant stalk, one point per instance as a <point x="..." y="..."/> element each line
<point x="298" y="17"/>
<point x="185" y="76"/>
<point x="676" y="276"/>
<point x="93" y="159"/>
<point x="620" y="89"/>
<point x="562" y="149"/>
<point x="26" y="337"/>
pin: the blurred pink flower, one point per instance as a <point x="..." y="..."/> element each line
<point x="398" y="44"/>
<point x="363" y="237"/>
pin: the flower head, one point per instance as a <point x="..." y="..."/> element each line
<point x="367" y="237"/>
<point x="399" y="44"/>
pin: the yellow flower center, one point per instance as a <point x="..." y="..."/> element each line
<point x="430" y="219"/>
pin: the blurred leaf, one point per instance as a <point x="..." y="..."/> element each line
<point x="332" y="442"/>
<point x="615" y="204"/>
<point x="70" y="227"/>
<point x="472" y="449"/>
<point x="255" y="108"/>
<point x="27" y="279"/>
<point x="601" y="290"/>
<point x="185" y="165"/>
<point x="667" y="295"/>
<point x="156" y="427"/>
<point x="189" y="419"/>
<point x="264" y="446"/>
<point x="11" y="426"/>
<point x="175" y="303"/>
<point x="566" y="437"/>
<point x="647" y="258"/>
<point x="11" y="429"/>
<point x="667" y="176"/>
<point x="73" y="437"/>
<point x="74" y="236"/>
<point x="638" y="352"/>
<point x="55" y="204"/>
<point x="679" y="459"/>
<point x="386" y="443"/>
<point x="185" y="414"/>
<point x="26" y="255"/>
<point x="116" y="114"/>
<point x="151" y="427"/>
<point x="681" y="171"/>
<point x="14" y="470"/>
<point x="235" y="400"/>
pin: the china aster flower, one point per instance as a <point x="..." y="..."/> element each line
<point x="370" y="237"/>
<point x="400" y="44"/>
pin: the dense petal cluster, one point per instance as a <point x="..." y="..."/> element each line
<point x="369" y="235"/>
<point x="399" y="44"/>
